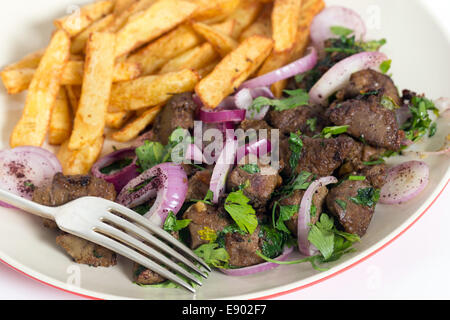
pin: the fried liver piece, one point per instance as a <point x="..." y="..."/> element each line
<point x="368" y="120"/>
<point x="64" y="189"/>
<point x="354" y="218"/>
<point x="179" y="112"/>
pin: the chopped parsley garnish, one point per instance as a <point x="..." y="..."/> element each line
<point x="374" y="163"/>
<point x="273" y="242"/>
<point x="329" y="132"/>
<point x="356" y="178"/>
<point x="237" y="205"/>
<point x="173" y="225"/>
<point x="286" y="213"/>
<point x="296" y="98"/>
<point x="388" y="103"/>
<point x="213" y="255"/>
<point x="385" y="66"/>
<point x="331" y="243"/>
<point x="420" y="123"/>
<point x="312" y="123"/>
<point x="296" y="147"/>
<point x="341" y="31"/>
<point x="301" y="182"/>
<point x="251" y="168"/>
<point x="367" y="197"/>
<point x="348" y="44"/>
<point x="342" y="204"/>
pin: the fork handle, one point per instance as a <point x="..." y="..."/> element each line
<point x="27" y="205"/>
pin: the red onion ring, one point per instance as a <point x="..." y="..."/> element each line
<point x="335" y="16"/>
<point x="297" y="67"/>
<point x="167" y="181"/>
<point x="404" y="182"/>
<point x="244" y="100"/>
<point x="120" y="178"/>
<point x="224" y="164"/>
<point x="222" y="116"/>
<point x="304" y="215"/>
<point x="24" y="168"/>
<point x="259" y="148"/>
<point x="260" y="267"/>
<point x="338" y="76"/>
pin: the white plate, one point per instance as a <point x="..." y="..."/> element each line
<point x="419" y="48"/>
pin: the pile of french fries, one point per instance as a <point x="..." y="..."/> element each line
<point x="113" y="65"/>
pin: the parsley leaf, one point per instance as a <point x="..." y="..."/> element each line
<point x="385" y="66"/>
<point x="272" y="241"/>
<point x="367" y="197"/>
<point x="173" y="225"/>
<point x="150" y="154"/>
<point x="329" y="132"/>
<point x="296" y="98"/>
<point x="286" y="213"/>
<point x="237" y="205"/>
<point x="213" y="255"/>
<point x="420" y="123"/>
<point x="251" y="168"/>
<point x="312" y="123"/>
<point x="341" y="31"/>
<point x="296" y="147"/>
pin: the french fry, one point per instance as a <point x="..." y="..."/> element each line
<point x="262" y="26"/>
<point x="33" y="126"/>
<point x="151" y="91"/>
<point x="148" y="25"/>
<point x="116" y="120"/>
<point x="122" y="18"/>
<point x="214" y="10"/>
<point x="285" y="17"/>
<point x="195" y="59"/>
<point x="76" y="162"/>
<point x="245" y="14"/>
<point x="79" y="42"/>
<point x="203" y="72"/>
<point x="73" y="95"/>
<point x="61" y="120"/>
<point x="309" y="10"/>
<point x="221" y="42"/>
<point x="85" y="16"/>
<point x="157" y="53"/>
<point x="89" y="122"/>
<point x="122" y="6"/>
<point x="30" y="61"/>
<point x="132" y="130"/>
<point x="233" y="70"/>
<point x="19" y="80"/>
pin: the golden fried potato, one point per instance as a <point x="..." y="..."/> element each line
<point x="221" y="42"/>
<point x="132" y="130"/>
<point x="75" y="162"/>
<point x="79" y="42"/>
<point x="30" y="61"/>
<point x="245" y="14"/>
<point x="17" y="80"/>
<point x="195" y="59"/>
<point x="151" y="90"/>
<point x="285" y="17"/>
<point x="73" y="96"/>
<point x="33" y="126"/>
<point x="148" y="25"/>
<point x="89" y="123"/>
<point x="116" y="120"/>
<point x="233" y="70"/>
<point x="61" y="120"/>
<point x="84" y="17"/>
<point x="122" y="17"/>
<point x="157" y="53"/>
<point x="214" y="10"/>
<point x="262" y="26"/>
<point x="122" y="5"/>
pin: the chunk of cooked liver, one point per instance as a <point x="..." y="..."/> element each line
<point x="64" y="189"/>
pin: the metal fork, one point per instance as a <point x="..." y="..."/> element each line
<point x="123" y="231"/>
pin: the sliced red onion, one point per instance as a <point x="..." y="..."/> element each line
<point x="259" y="148"/>
<point x="402" y="114"/>
<point x="297" y="67"/>
<point x="224" y="164"/>
<point x="244" y="100"/>
<point x="260" y="267"/>
<point x="167" y="181"/>
<point x="222" y="116"/>
<point x="405" y="182"/>
<point x="227" y="104"/>
<point x="335" y="16"/>
<point x="24" y="168"/>
<point x="304" y="216"/>
<point x="119" y="178"/>
<point x="338" y="76"/>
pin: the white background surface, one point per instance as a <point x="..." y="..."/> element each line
<point x="414" y="266"/>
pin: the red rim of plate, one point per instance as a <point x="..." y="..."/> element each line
<point x="279" y="293"/>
